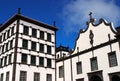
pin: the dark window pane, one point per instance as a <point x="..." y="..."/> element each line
<point x="12" y="31"/>
<point x="49" y="63"/>
<point x="33" y="60"/>
<point x="3" y="48"/>
<point x="0" y="39"/>
<point x="41" y="48"/>
<point x="23" y="76"/>
<point x="41" y="35"/>
<point x="79" y="68"/>
<point x="1" y="62"/>
<point x="41" y="61"/>
<point x="4" y="36"/>
<point x="1" y="77"/>
<point x="10" y="56"/>
<point x="25" y="44"/>
<point x="11" y="44"/>
<point x="24" y="58"/>
<point x="7" y="76"/>
<point x="94" y="65"/>
<point x="8" y="34"/>
<point x="34" y="32"/>
<point x="49" y="49"/>
<point x="61" y="71"/>
<point x="48" y="36"/>
<point x="5" y="61"/>
<point x="33" y="46"/>
<point x="26" y="30"/>
<point x="49" y="77"/>
<point x="112" y="59"/>
<point x="6" y="46"/>
<point x="36" y="76"/>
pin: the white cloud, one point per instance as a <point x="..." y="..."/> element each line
<point x="75" y="13"/>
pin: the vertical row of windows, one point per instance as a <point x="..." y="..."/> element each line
<point x="33" y="60"/>
<point x="7" y="34"/>
<point x="34" y="46"/>
<point x="7" y="46"/>
<point x="7" y="60"/>
<point x="34" y="33"/>
<point x="23" y="76"/>
<point x="7" y="76"/>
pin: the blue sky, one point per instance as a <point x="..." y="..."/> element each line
<point x="70" y="15"/>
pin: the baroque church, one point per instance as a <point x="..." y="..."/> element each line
<point x="28" y="52"/>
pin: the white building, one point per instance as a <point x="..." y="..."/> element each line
<point x="27" y="50"/>
<point x="96" y="56"/>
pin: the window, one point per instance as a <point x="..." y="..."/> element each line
<point x="48" y="49"/>
<point x="42" y="35"/>
<point x="1" y="62"/>
<point x="41" y="61"/>
<point x="48" y="36"/>
<point x="4" y="36"/>
<point x="49" y="63"/>
<point x="49" y="77"/>
<point x="8" y="34"/>
<point x="36" y="76"/>
<point x="12" y="31"/>
<point x="6" y="46"/>
<point x="23" y="76"/>
<point x="79" y="67"/>
<point x="112" y="59"/>
<point x="41" y="48"/>
<point x="26" y="30"/>
<point x="24" y="59"/>
<point x="33" y="46"/>
<point x="7" y="76"/>
<point x="82" y="79"/>
<point x="1" y="77"/>
<point x="11" y="44"/>
<point x="9" y="60"/>
<point x="61" y="71"/>
<point x="33" y="60"/>
<point x="5" y="61"/>
<point x="0" y="39"/>
<point x="25" y="44"/>
<point x="94" y="65"/>
<point x="34" y="32"/>
<point x="3" y="48"/>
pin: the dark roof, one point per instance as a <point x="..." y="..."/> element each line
<point x="21" y="17"/>
<point x="62" y="48"/>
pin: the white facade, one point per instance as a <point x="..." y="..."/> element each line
<point x="25" y="59"/>
<point x="96" y="56"/>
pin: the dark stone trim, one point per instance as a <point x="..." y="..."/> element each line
<point x="15" y="51"/>
<point x="90" y="49"/>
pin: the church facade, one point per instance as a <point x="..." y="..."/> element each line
<point x="96" y="56"/>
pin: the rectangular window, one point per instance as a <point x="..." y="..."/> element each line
<point x="49" y="77"/>
<point x="3" y="48"/>
<point x="1" y="62"/>
<point x="9" y="61"/>
<point x="24" y="59"/>
<point x="23" y="76"/>
<point x="1" y="77"/>
<point x="36" y="76"/>
<point x="94" y="65"/>
<point x="7" y="76"/>
<point x="48" y="37"/>
<point x="34" y="32"/>
<point x="41" y="48"/>
<point x="112" y="59"/>
<point x="41" y="61"/>
<point x="79" y="67"/>
<point x="48" y="49"/>
<point x="5" y="61"/>
<point x="33" y="60"/>
<point x="25" y="44"/>
<point x="33" y="46"/>
<point x="26" y="30"/>
<point x="49" y="63"/>
<point x="0" y="39"/>
<point x="11" y="44"/>
<point x="8" y="33"/>
<point x="42" y="35"/>
<point x="4" y="36"/>
<point x="80" y="79"/>
<point x="6" y="46"/>
<point x="61" y="71"/>
<point x="12" y="31"/>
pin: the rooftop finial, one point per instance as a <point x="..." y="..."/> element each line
<point x="19" y="10"/>
<point x="54" y="23"/>
<point x="90" y="14"/>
